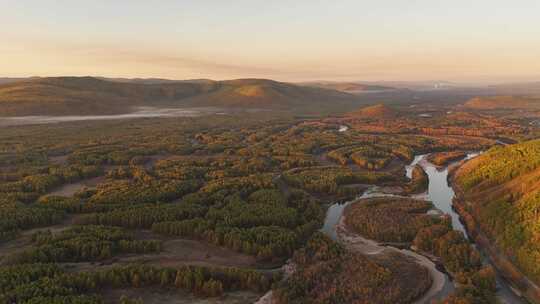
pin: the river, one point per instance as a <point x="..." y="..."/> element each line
<point x="138" y="112"/>
<point x="441" y="194"/>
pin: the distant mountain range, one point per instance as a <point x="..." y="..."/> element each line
<point x="11" y="79"/>
<point x="527" y="88"/>
<point x="102" y="96"/>
<point x="89" y="95"/>
<point x="348" y="87"/>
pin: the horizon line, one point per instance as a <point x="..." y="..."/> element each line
<point x="328" y="80"/>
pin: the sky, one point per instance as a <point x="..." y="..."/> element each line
<point x="293" y="40"/>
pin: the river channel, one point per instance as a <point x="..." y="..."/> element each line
<point x="440" y="193"/>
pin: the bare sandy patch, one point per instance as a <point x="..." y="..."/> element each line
<point x="176" y="252"/>
<point x="71" y="189"/>
<point x="59" y="160"/>
<point x="188" y="252"/>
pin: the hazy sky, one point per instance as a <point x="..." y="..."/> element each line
<point x="467" y="40"/>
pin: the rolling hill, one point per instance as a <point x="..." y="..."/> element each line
<point x="4" y="80"/>
<point x="271" y="94"/>
<point x="503" y="102"/>
<point x="90" y="96"/>
<point x="375" y="111"/>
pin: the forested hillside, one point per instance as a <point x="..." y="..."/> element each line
<point x="503" y="102"/>
<point x="502" y="192"/>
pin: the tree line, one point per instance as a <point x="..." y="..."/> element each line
<point x="83" y="243"/>
<point x="32" y="283"/>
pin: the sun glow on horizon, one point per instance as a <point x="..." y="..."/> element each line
<point x="307" y="40"/>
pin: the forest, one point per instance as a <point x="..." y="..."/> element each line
<point x="82" y="243"/>
<point x="444" y="158"/>
<point x="500" y="189"/>
<point x="328" y="273"/>
<point x="48" y="283"/>
<point x="389" y="220"/>
<point x="403" y="220"/>
<point x="123" y="203"/>
<point x="419" y="181"/>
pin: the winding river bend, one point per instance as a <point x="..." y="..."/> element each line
<point x="441" y="194"/>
